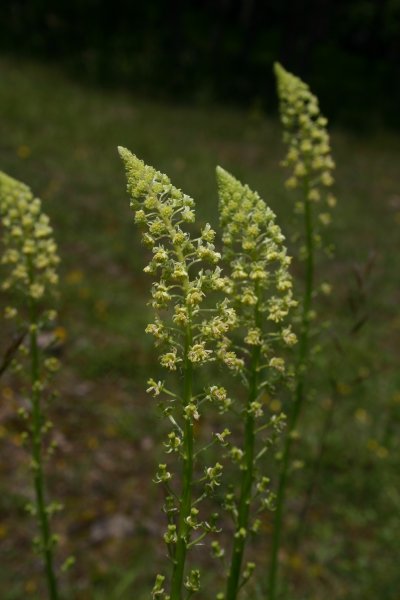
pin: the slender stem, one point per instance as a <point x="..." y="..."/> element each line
<point x="37" y="459"/>
<point x="241" y="532"/>
<point x="301" y="368"/>
<point x="187" y="477"/>
<point x="185" y="504"/>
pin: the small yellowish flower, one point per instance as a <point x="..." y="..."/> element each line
<point x="289" y="337"/>
<point x="170" y="360"/>
<point x="277" y="363"/>
<point x="191" y="411"/>
<point x="52" y="364"/>
<point x="253" y="337"/>
<point x="10" y="312"/>
<point x="155" y="387"/>
<point x="199" y="354"/>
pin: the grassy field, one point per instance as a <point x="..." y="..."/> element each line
<point x="61" y="138"/>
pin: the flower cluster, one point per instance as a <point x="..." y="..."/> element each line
<point x="29" y="266"/>
<point x="29" y="273"/>
<point x="309" y="152"/>
<point x="258" y="263"/>
<point x="185" y="270"/>
<point x="30" y="251"/>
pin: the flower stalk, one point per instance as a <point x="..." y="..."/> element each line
<point x="189" y="334"/>
<point x="262" y="296"/>
<point x="187" y="478"/>
<point x="309" y="157"/>
<point x="246" y="488"/>
<point x="30" y="259"/>
<point x="46" y="538"/>
<point x="299" y="395"/>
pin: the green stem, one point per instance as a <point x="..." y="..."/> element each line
<point x="241" y="532"/>
<point x="185" y="504"/>
<point x="301" y="368"/>
<point x="37" y="460"/>
<point x="187" y="481"/>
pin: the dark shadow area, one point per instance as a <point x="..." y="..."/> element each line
<point x="222" y="50"/>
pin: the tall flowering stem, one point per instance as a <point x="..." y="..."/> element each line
<point x="262" y="294"/>
<point x="190" y="333"/>
<point x="30" y="259"/>
<point x="309" y="158"/>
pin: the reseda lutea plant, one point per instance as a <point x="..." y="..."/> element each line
<point x="309" y="158"/>
<point x="189" y="333"/>
<point x="29" y="276"/>
<point x="257" y="264"/>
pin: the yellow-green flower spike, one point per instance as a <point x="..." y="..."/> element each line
<point x="190" y="334"/>
<point x="310" y="162"/>
<point x="29" y="266"/>
<point x="164" y="212"/>
<point x="305" y="134"/>
<point x="261" y="286"/>
<point x="30" y="255"/>
<point x="259" y="264"/>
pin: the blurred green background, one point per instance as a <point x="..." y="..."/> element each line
<point x="61" y="119"/>
<point x="207" y="50"/>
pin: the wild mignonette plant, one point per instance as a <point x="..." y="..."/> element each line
<point x="257" y="263"/>
<point x="190" y="329"/>
<point x="29" y="276"/>
<point x="309" y="159"/>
